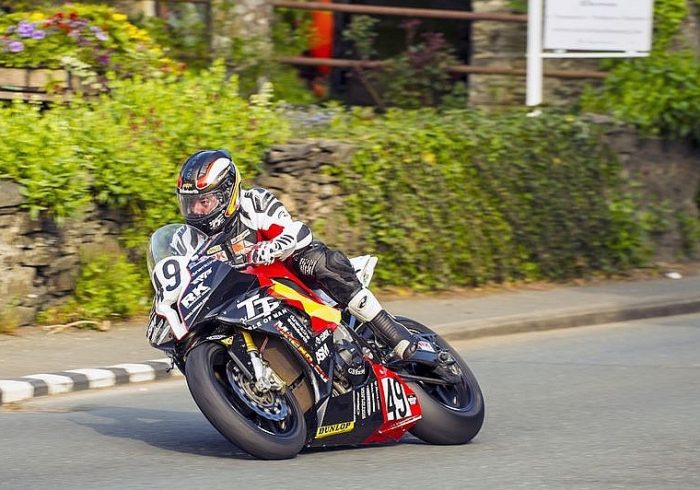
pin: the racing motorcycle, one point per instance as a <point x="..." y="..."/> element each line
<point x="275" y="366"/>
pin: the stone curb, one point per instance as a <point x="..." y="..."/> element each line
<point x="567" y="319"/>
<point x="18" y="389"/>
<point x="23" y="388"/>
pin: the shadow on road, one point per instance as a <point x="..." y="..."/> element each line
<point x="183" y="432"/>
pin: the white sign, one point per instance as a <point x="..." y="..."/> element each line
<point x="598" y="25"/>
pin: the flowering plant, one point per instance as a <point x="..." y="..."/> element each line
<point x="98" y="36"/>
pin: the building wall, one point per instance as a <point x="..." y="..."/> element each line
<point x="504" y="45"/>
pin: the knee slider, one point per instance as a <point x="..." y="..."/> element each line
<point x="337" y="262"/>
<point x="312" y="260"/>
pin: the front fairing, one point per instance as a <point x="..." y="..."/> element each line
<point x="188" y="281"/>
<point x="213" y="285"/>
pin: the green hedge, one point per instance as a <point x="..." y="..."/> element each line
<point x="464" y="198"/>
<point x="444" y="198"/>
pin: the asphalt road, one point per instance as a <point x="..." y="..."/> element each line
<point x="612" y="406"/>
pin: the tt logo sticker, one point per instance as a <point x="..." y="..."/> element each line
<point x="256" y="307"/>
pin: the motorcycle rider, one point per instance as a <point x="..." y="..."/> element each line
<point x="259" y="227"/>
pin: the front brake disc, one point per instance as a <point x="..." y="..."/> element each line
<point x="268" y="405"/>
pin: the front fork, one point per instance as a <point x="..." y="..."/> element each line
<point x="265" y="379"/>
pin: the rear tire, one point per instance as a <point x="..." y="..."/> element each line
<point x="450" y="415"/>
<point x="229" y="413"/>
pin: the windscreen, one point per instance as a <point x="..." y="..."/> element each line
<point x="173" y="240"/>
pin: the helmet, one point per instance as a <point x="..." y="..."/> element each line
<point x="208" y="190"/>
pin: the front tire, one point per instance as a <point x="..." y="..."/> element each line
<point x="452" y="414"/>
<point x="232" y="415"/>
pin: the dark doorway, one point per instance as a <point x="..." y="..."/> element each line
<point x="391" y="40"/>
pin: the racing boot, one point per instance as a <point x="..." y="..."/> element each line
<point x="365" y="306"/>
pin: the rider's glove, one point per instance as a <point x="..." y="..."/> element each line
<point x="263" y="253"/>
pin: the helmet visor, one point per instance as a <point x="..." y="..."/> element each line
<point x="197" y="206"/>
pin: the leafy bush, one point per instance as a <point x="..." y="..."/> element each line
<point x="660" y="93"/>
<point x="124" y="149"/>
<point x="38" y="151"/>
<point x="97" y="36"/>
<point x="463" y="198"/>
<point x="109" y="286"/>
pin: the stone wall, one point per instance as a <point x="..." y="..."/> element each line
<point x="245" y="22"/>
<point x="39" y="259"/>
<point x="665" y="175"/>
<point x="296" y="173"/>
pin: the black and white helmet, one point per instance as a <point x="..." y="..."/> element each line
<point x="208" y="190"/>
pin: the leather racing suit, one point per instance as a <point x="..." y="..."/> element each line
<point x="265" y="232"/>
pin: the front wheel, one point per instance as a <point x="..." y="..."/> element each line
<point x="268" y="426"/>
<point x="454" y="413"/>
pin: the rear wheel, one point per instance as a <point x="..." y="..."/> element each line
<point x="452" y="413"/>
<point x="266" y="425"/>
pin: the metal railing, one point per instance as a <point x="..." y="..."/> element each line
<point x="423" y="13"/>
<point x="400" y="11"/>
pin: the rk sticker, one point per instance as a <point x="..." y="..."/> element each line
<point x="195" y="295"/>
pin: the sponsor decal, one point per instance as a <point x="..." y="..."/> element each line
<point x="299" y="329"/>
<point x="395" y="400"/>
<point x="276" y="315"/>
<point x="257" y="307"/>
<point x="322" y="353"/>
<point x="357" y="371"/>
<point x="226" y="340"/>
<point x="214" y="249"/>
<point x="218" y="221"/>
<point x="284" y="331"/>
<point x="425" y="345"/>
<point x="239" y="244"/>
<point x="194" y="295"/>
<point x="240" y="236"/>
<point x="321" y="338"/>
<point x="363" y="302"/>
<point x="367" y="401"/>
<point x="412" y="399"/>
<point x="220" y="256"/>
<point x="201" y="277"/>
<point x="188" y="188"/>
<point x="331" y="430"/>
